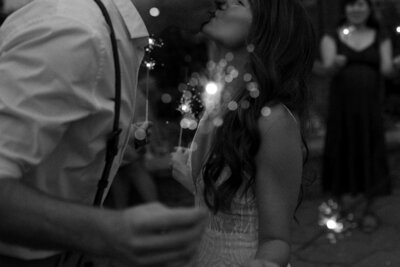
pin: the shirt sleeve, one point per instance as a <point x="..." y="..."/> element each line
<point x="48" y="71"/>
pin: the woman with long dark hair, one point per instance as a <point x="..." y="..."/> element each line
<point x="247" y="155"/>
<point x="357" y="54"/>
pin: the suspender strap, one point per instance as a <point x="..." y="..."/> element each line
<point x="113" y="138"/>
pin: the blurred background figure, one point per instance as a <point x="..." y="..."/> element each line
<point x="358" y="54"/>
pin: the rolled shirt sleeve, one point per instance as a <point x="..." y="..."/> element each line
<point x="48" y="72"/>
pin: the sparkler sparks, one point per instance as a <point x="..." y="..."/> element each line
<point x="336" y="223"/>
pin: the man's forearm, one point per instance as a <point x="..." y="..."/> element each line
<point x="31" y="218"/>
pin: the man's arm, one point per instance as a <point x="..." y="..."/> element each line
<point x="147" y="235"/>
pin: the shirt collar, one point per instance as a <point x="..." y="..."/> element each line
<point x="132" y="19"/>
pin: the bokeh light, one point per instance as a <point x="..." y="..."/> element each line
<point x="211" y="88"/>
<point x="154" y="12"/>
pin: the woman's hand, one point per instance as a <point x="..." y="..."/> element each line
<point x="180" y="169"/>
<point x="259" y="263"/>
<point x="339" y="61"/>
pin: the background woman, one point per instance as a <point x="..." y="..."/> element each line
<point x="358" y="53"/>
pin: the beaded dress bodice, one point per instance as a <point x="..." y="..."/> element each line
<point x="230" y="238"/>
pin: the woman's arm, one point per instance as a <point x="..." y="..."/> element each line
<point x="278" y="179"/>
<point x="388" y="67"/>
<point x="331" y="61"/>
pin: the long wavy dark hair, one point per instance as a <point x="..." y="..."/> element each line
<point x="284" y="48"/>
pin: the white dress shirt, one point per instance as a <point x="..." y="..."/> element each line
<point x="56" y="95"/>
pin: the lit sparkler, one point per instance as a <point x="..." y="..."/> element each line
<point x="336" y="224"/>
<point x="190" y="106"/>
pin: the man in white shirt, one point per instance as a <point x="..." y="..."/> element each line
<point x="56" y="110"/>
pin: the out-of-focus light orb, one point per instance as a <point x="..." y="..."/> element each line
<point x="245" y="104"/>
<point x="331" y="224"/>
<point x="193" y="82"/>
<point x="255" y="93"/>
<point x="184" y="123"/>
<point x="233" y="105"/>
<point x="235" y="73"/>
<point x="152" y="41"/>
<point x="211" y="65"/>
<point x="250" y="48"/>
<point x="150" y="64"/>
<point x="218" y="122"/>
<point x="223" y="63"/>
<point x="247" y="77"/>
<point x="193" y="125"/>
<point x="185" y="108"/>
<point x="229" y="56"/>
<point x="211" y="88"/>
<point x="182" y="87"/>
<point x="228" y="78"/>
<point x="346" y="31"/>
<point x="140" y="134"/>
<point x="398" y="29"/>
<point x="166" y="98"/>
<point x="154" y="12"/>
<point x="265" y="111"/>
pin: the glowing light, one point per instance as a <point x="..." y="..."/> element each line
<point x="211" y="88"/>
<point x="182" y="87"/>
<point x="250" y="48"/>
<point x="193" y="125"/>
<point x="152" y="41"/>
<point x="247" y="77"/>
<point x="228" y="78"/>
<point x="193" y="82"/>
<point x="166" y="98"/>
<point x="232" y="105"/>
<point x="245" y="104"/>
<point x="211" y="65"/>
<point x="265" y="111"/>
<point x="229" y="56"/>
<point x="255" y="93"/>
<point x="398" y="29"/>
<point x="332" y="224"/>
<point x="150" y="64"/>
<point x="154" y="12"/>
<point x="331" y="218"/>
<point x="185" y="108"/>
<point x="140" y="134"/>
<point x="346" y="31"/>
<point x="185" y="122"/>
<point x="218" y="122"/>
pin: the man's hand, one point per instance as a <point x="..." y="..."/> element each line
<point x="154" y="235"/>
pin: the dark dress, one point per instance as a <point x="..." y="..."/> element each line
<point x="355" y="155"/>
